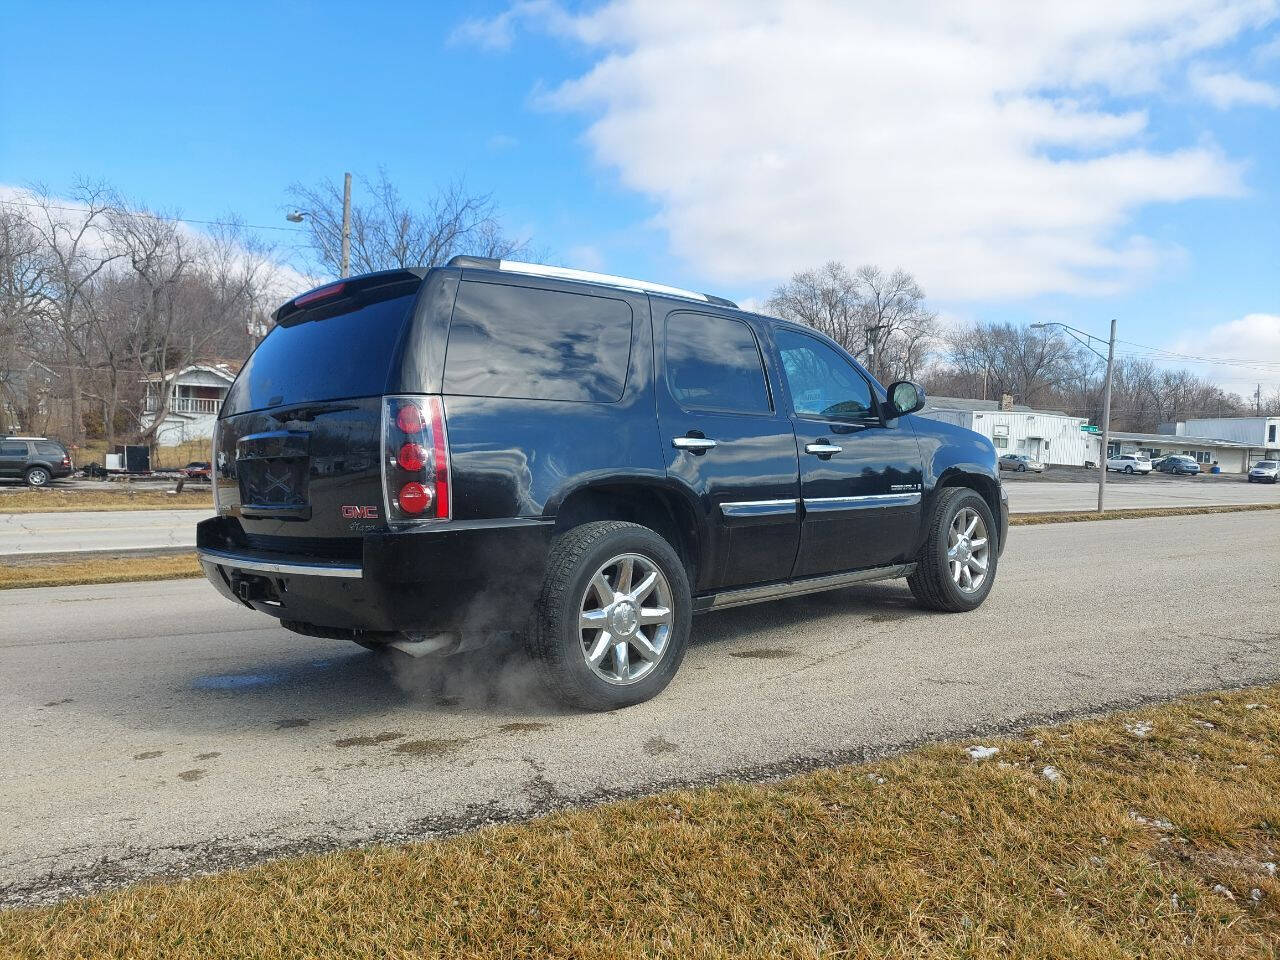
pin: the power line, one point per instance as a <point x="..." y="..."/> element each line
<point x="157" y="216"/>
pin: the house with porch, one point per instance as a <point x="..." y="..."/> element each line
<point x="194" y="401"/>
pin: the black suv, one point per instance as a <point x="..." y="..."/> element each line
<point x="428" y="458"/>
<point x="36" y="460"/>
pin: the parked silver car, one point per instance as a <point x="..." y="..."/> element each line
<point x="1020" y="463"/>
<point x="1265" y="471"/>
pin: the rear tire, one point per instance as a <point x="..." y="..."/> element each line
<point x="37" y="477"/>
<point x="935" y="584"/>
<point x="628" y="579"/>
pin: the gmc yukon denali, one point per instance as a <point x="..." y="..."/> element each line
<point x="430" y="458"/>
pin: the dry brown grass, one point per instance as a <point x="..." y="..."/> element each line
<point x="113" y="568"/>
<point x="193" y="496"/>
<point x="1138" y="513"/>
<point x="931" y="854"/>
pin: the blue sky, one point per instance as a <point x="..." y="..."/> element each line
<point x="1105" y="166"/>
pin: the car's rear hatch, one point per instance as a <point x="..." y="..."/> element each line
<point x="297" y="458"/>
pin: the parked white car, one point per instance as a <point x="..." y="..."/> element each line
<point x="1129" y="463"/>
<point x="1265" y="471"/>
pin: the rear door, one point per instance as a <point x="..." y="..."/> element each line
<point x="860" y="476"/>
<point x="13" y="457"/>
<point x="726" y="439"/>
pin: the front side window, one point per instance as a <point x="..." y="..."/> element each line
<point x="714" y="363"/>
<point x="823" y="384"/>
<point x="535" y="344"/>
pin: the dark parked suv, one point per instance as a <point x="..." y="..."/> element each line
<point x="37" y="460"/>
<point x="428" y="458"/>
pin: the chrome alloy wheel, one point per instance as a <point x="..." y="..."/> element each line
<point x="968" y="550"/>
<point x="625" y="619"/>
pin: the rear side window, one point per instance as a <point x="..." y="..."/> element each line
<point x="13" y="448"/>
<point x="326" y="353"/>
<point x="713" y="363"/>
<point x="48" y="448"/>
<point x="532" y="344"/>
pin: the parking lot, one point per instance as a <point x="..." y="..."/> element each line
<point x="165" y="731"/>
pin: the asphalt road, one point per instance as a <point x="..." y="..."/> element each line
<point x="156" y="529"/>
<point x="157" y="729"/>
<point x="97" y="530"/>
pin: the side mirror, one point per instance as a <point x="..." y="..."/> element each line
<point x="904" y="397"/>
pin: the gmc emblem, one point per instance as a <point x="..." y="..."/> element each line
<point x="360" y="513"/>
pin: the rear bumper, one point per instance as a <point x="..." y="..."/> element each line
<point x="468" y="577"/>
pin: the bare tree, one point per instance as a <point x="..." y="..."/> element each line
<point x="901" y="331"/>
<point x="78" y="247"/>
<point x="387" y="232"/>
<point x="880" y="318"/>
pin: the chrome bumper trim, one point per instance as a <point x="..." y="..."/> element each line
<point x="265" y="566"/>
<point x="820" y="504"/>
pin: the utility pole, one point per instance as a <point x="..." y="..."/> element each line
<point x="1257" y="401"/>
<point x="346" y="225"/>
<point x="1106" y="396"/>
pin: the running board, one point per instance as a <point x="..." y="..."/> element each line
<point x="796" y="588"/>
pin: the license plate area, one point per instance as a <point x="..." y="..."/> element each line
<point x="273" y="469"/>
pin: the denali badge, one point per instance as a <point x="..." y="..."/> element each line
<point x="360" y="513"/>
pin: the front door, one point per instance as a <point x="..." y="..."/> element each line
<point x="860" y="475"/>
<point x="728" y="442"/>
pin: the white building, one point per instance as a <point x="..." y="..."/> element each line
<point x="1228" y="455"/>
<point x="1046" y="436"/>
<point x="1260" y="433"/>
<point x="194" y="402"/>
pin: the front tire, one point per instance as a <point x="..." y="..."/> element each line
<point x="1129" y="470"/>
<point x="37" y="477"/>
<point x="613" y="619"/>
<point x="957" y="564"/>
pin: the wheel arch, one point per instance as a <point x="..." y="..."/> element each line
<point x="986" y="485"/>
<point x="662" y="506"/>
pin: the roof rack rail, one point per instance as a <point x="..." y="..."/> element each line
<point x="585" y="276"/>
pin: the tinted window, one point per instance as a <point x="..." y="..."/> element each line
<point x="713" y="363"/>
<point x="13" y="448"/>
<point x="49" y="448"/>
<point x="507" y="341"/>
<point x="822" y="382"/>
<point x="322" y="355"/>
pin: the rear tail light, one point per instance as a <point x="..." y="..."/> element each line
<point x="415" y="460"/>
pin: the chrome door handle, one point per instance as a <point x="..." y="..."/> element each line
<point x="822" y="449"/>
<point x="696" y="444"/>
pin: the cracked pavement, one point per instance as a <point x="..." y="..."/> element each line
<point x="158" y="730"/>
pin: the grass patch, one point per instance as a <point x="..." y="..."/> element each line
<point x="194" y="496"/>
<point x="105" y="568"/>
<point x="1152" y="833"/>
<point x="1138" y="513"/>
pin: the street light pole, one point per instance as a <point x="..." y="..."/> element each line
<point x="1106" y="421"/>
<point x="1106" y="397"/>
<point x="346" y="225"/>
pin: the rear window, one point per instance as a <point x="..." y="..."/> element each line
<point x="534" y="344"/>
<point x="49" y="448"/>
<point x="320" y="354"/>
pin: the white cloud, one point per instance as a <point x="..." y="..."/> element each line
<point x="1226" y="89"/>
<point x="976" y="144"/>
<point x="1253" y="340"/>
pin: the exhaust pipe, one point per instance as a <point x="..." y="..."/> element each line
<point x="427" y="644"/>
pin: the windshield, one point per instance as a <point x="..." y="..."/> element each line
<point x="322" y="355"/>
<point x="1266" y="464"/>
